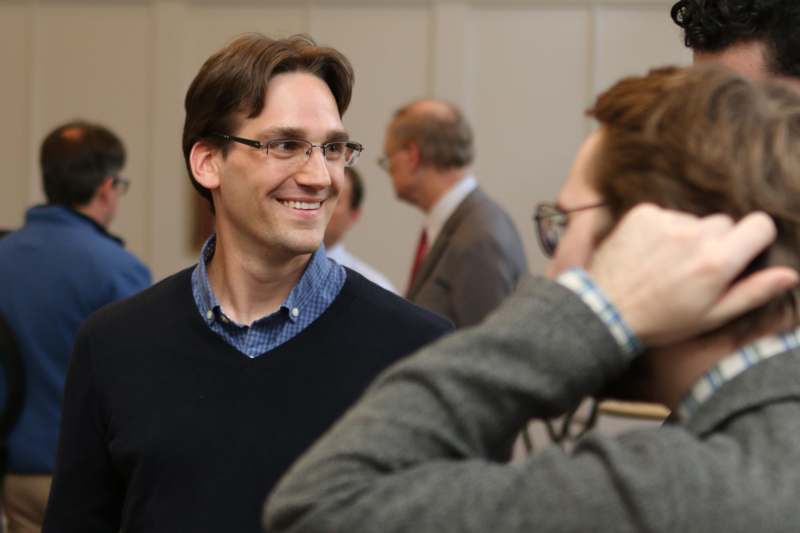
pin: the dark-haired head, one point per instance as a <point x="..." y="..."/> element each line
<point x="75" y="159"/>
<point x="714" y="26"/>
<point x="356" y="187"/>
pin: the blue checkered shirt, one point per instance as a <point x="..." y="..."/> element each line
<point x="313" y="294"/>
<point x="577" y="280"/>
<point x="733" y="365"/>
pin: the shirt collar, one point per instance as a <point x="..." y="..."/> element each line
<point x="313" y="280"/>
<point x="733" y="365"/>
<point x="61" y="213"/>
<point x="447" y="204"/>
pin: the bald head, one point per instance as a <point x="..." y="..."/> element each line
<point x="440" y="109"/>
<point x="438" y="129"/>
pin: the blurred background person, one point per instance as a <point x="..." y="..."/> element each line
<point x="469" y="256"/>
<point x="346" y="213"/>
<point x="56" y="270"/>
<point x="757" y="39"/>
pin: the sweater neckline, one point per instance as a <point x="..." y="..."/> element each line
<point x="220" y="349"/>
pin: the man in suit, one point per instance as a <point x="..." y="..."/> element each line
<point x="469" y="255"/>
<point x="757" y="39"/>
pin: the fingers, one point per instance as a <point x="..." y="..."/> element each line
<point x="751" y="292"/>
<point x="716" y="224"/>
<point x="670" y="274"/>
<point x="748" y="238"/>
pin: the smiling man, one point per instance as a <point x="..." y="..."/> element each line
<point x="184" y="405"/>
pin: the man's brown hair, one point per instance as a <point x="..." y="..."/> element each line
<point x="705" y="140"/>
<point x="232" y="85"/>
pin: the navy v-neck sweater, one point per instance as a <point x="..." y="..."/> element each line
<point x="167" y="428"/>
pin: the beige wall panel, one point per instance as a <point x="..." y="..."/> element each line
<point x="531" y="67"/>
<point x="170" y="248"/>
<point x="93" y="62"/>
<point x="631" y="40"/>
<point x="14" y="108"/>
<point x="211" y="27"/>
<point x="389" y="49"/>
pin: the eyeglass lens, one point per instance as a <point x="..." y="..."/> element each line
<point x="299" y="150"/>
<point x="549" y="227"/>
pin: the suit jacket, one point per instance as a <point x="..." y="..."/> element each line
<point x="421" y="451"/>
<point x="474" y="264"/>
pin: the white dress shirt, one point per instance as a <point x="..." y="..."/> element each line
<point x="447" y="204"/>
<point x="338" y="253"/>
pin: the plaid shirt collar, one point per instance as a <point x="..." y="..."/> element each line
<point x="733" y="365"/>
<point x="311" y="283"/>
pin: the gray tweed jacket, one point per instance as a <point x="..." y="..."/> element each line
<point x="423" y="450"/>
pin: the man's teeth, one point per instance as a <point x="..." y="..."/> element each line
<point x="302" y="205"/>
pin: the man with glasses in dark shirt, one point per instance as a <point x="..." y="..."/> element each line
<point x="60" y="267"/>
<point x="185" y="405"/>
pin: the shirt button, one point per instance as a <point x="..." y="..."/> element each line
<point x="210" y="314"/>
<point x="295" y="312"/>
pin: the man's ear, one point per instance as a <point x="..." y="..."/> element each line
<point x="413" y="155"/>
<point x="105" y="189"/>
<point x="204" y="161"/>
<point x="355" y="214"/>
<point x="104" y="193"/>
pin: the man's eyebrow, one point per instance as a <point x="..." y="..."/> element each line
<point x="336" y="136"/>
<point x="287" y="132"/>
<point x="282" y="132"/>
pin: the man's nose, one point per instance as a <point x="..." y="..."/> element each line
<point x="314" y="172"/>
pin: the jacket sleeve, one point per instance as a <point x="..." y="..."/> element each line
<point x="86" y="495"/>
<point x="422" y="451"/>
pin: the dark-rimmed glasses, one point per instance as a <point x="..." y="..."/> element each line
<point x="120" y="183"/>
<point x="298" y="151"/>
<point x="551" y="223"/>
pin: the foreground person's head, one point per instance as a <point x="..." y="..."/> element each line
<point x="702" y="140"/>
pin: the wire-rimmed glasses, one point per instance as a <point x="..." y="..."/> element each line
<point x="551" y="223"/>
<point x="298" y="151"/>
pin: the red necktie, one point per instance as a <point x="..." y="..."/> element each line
<point x="422" y="249"/>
